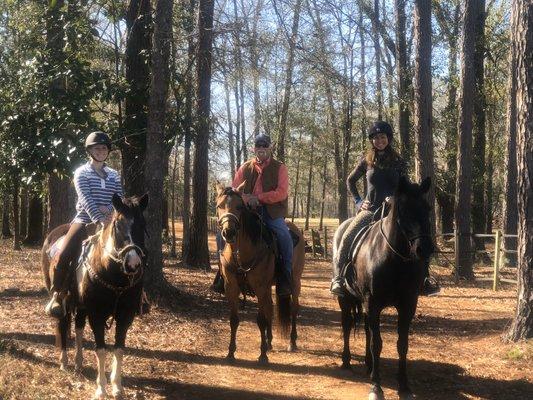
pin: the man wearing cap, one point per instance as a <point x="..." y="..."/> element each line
<point x="266" y="188"/>
<point x="95" y="185"/>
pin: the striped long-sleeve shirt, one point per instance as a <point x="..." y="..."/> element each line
<point x="94" y="191"/>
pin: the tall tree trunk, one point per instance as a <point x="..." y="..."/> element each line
<point x="6" y="230"/>
<point x="489" y="193"/>
<point x="478" y="126"/>
<point x="155" y="145"/>
<point x="137" y="61"/>
<point x="362" y="77"/>
<point x="522" y="37"/>
<point x="231" y="137"/>
<point x="288" y="81"/>
<point x="188" y="131"/>
<point x="35" y="219"/>
<point x="173" y="201"/>
<point x="297" y="180"/>
<point x="424" y="159"/>
<point x="377" y="55"/>
<point x="309" y="184"/>
<point x="23" y="217"/>
<point x="510" y="206"/>
<point x="239" y="95"/>
<point x="403" y="80"/>
<point x="16" y="210"/>
<point x="198" y="254"/>
<point x="59" y="201"/>
<point x="464" y="149"/>
<point x="238" y="146"/>
<point x="254" y="55"/>
<point x="323" y="198"/>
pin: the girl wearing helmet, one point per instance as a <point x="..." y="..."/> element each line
<point x="382" y="168"/>
<point x="95" y="185"/>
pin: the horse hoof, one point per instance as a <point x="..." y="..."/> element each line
<point x="99" y="394"/>
<point x="62" y="367"/>
<point x="376" y="393"/>
<point x="292" y="347"/>
<point x="263" y="360"/>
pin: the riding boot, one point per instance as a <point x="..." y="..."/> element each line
<point x="56" y="307"/>
<point x="284" y="281"/>
<point x="218" y="283"/>
<point x="430" y="287"/>
<point x="337" y="283"/>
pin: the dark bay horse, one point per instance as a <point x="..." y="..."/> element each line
<point x="389" y="267"/>
<point x="108" y="283"/>
<point x="248" y="260"/>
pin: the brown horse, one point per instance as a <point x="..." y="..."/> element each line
<point x="248" y="260"/>
<point x="108" y="283"/>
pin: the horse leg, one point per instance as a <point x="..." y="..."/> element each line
<point x="368" y="353"/>
<point x="405" y="315"/>
<point x="98" y="328"/>
<point x="294" y="315"/>
<point x="232" y="294"/>
<point x="79" y="324"/>
<point x="63" y="327"/>
<point x="124" y="321"/>
<point x="346" y="321"/>
<point x="376" y="393"/>
<point x="264" y="319"/>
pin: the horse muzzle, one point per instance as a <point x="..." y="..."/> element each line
<point x="132" y="262"/>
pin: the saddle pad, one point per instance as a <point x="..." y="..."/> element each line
<point x="56" y="248"/>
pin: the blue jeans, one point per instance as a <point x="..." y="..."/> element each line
<point x="284" y="238"/>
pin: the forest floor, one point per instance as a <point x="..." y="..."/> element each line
<point x="455" y="351"/>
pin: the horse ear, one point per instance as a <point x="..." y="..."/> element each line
<point x="143" y="202"/>
<point x="118" y="205"/>
<point x="425" y="185"/>
<point x="240" y="188"/>
<point x="403" y="185"/>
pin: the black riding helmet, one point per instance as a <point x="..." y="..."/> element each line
<point x="380" y="127"/>
<point x="97" y="137"/>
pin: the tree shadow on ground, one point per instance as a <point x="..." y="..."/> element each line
<point x="16" y="292"/>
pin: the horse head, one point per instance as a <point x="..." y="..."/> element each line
<point x="230" y="205"/>
<point x="124" y="236"/>
<point x="413" y="217"/>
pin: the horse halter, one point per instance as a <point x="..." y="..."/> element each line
<point x="402" y="231"/>
<point x="119" y="255"/>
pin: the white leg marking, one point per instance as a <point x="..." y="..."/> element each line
<point x="100" y="378"/>
<point x="78" y="360"/>
<point x="63" y="360"/>
<point x="116" y="373"/>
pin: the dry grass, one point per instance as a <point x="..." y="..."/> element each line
<point x="456" y="351"/>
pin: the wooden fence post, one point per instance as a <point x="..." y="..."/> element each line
<point x="497" y="245"/>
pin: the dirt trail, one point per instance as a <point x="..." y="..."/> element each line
<point x="455" y="347"/>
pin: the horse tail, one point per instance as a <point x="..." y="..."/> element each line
<point x="284" y="314"/>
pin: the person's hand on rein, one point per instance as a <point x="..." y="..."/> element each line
<point x="366" y="205"/>
<point x="253" y="201"/>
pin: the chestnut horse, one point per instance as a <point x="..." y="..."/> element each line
<point x="389" y="265"/>
<point x="248" y="260"/>
<point x="107" y="284"/>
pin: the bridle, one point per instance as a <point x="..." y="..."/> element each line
<point x="410" y="240"/>
<point x="235" y="254"/>
<point x="119" y="255"/>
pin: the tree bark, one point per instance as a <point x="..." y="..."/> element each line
<point x="288" y="81"/>
<point x="478" y="126"/>
<point x="362" y="77"/>
<point x="377" y="55"/>
<point x="198" y="254"/>
<point x="137" y="61"/>
<point x="6" y="229"/>
<point x="60" y="201"/>
<point x="35" y="219"/>
<point x="403" y="80"/>
<point x="16" y="210"/>
<point x="510" y="206"/>
<point x="155" y="145"/>
<point x="464" y="150"/>
<point x="297" y="180"/>
<point x="23" y="215"/>
<point x="522" y="37"/>
<point x="309" y="184"/>
<point x="231" y="137"/>
<point x="424" y="159"/>
<point x="188" y="132"/>
<point x="323" y="199"/>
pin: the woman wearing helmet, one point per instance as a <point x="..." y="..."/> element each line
<point x="382" y="167"/>
<point x="95" y="185"/>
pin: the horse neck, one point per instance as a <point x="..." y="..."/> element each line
<point x="247" y="248"/>
<point x="390" y="226"/>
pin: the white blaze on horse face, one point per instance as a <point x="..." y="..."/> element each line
<point x="116" y="373"/>
<point x="133" y="258"/>
<point x="101" y="380"/>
